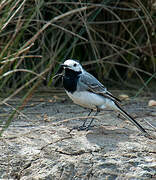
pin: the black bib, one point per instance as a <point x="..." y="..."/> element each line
<point x="70" y="80"/>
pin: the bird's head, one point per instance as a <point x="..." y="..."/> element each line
<point x="72" y="65"/>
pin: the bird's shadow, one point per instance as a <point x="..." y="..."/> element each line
<point x="108" y="137"/>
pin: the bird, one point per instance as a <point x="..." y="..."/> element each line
<point x="85" y="90"/>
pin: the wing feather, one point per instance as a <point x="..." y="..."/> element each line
<point x="93" y="85"/>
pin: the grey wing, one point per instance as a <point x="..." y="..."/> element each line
<point x="90" y="83"/>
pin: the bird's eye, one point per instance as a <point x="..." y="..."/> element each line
<point x="75" y="65"/>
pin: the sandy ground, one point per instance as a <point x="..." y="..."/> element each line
<point x="43" y="144"/>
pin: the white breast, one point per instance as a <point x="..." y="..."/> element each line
<point x="91" y="100"/>
<point x="87" y="99"/>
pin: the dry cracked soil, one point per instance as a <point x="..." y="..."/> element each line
<point x="42" y="143"/>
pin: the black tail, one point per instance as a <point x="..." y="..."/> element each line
<point x="126" y="115"/>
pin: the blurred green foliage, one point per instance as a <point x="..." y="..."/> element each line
<point x="114" y="40"/>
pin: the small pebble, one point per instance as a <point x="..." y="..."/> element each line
<point x="124" y="97"/>
<point x="152" y="103"/>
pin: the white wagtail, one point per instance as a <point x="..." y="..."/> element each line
<point x="85" y="90"/>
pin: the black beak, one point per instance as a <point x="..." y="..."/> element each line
<point x="63" y="65"/>
<point x="61" y="68"/>
<point x="59" y="72"/>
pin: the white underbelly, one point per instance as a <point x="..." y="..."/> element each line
<point x="90" y="100"/>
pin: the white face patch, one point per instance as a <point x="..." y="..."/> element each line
<point x="74" y="65"/>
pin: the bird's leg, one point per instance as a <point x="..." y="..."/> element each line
<point x="97" y="111"/>
<point x="83" y="125"/>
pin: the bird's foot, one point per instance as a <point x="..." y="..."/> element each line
<point x="82" y="128"/>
